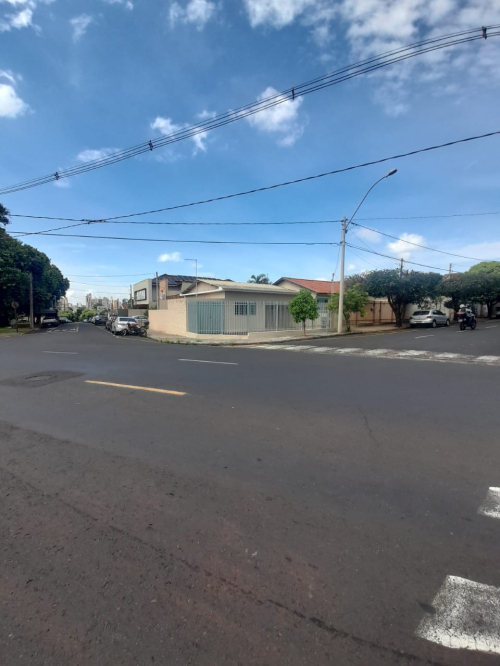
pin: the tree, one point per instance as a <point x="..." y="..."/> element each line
<point x="400" y="289"/>
<point x="302" y="307"/>
<point x="87" y="314"/>
<point x="17" y="261"/>
<point x="485" y="289"/>
<point x="261" y="278"/>
<point x="486" y="267"/>
<point x="69" y="315"/>
<point x="4" y="216"/>
<point x="355" y="300"/>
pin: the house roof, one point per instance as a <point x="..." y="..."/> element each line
<point x="249" y="287"/>
<point x="177" y="280"/>
<point x="319" y="286"/>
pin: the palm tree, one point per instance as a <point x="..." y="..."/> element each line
<point x="262" y="278"/>
<point x="4" y="215"/>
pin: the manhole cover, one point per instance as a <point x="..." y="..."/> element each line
<point x="39" y="378"/>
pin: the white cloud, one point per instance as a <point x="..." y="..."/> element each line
<point x="402" y="249"/>
<point x="167" y="127"/>
<point x="276" y="13"/>
<point x="126" y="3"/>
<point x="351" y="267"/>
<point x="94" y="154"/>
<point x="173" y="256"/>
<point x="368" y="234"/>
<point x="282" y="119"/>
<point x="196" y="12"/>
<point x="80" y="25"/>
<point x="11" y="105"/>
<point x="206" y="115"/>
<point x="62" y="183"/>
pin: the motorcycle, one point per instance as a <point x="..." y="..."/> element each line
<point x="466" y="320"/>
<point x="135" y="329"/>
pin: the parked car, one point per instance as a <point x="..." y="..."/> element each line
<point x="99" y="321"/>
<point x="49" y="322"/>
<point x="63" y="320"/>
<point x="432" y="318"/>
<point x="120" y="324"/>
<point x="142" y="320"/>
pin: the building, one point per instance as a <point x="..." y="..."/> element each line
<point x="320" y="289"/>
<point x="88" y="301"/>
<point x="144" y="292"/>
<point x="62" y="304"/>
<point x="209" y="307"/>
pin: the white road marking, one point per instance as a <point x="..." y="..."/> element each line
<point x="345" y="350"/>
<point x="467" y="616"/>
<point x="447" y="355"/>
<point x="378" y="352"/>
<point x="488" y="359"/>
<point x="411" y="352"/>
<point x="424" y="336"/>
<point x="59" y="352"/>
<point x="195" y="360"/>
<point x="491" y="505"/>
<point x="490" y="327"/>
<point x="319" y="350"/>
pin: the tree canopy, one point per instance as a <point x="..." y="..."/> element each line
<point x="17" y="261"/>
<point x="261" y="278"/>
<point x="486" y="267"/>
<point x="303" y="306"/>
<point x="355" y="300"/>
<point x="474" y="286"/>
<point x="400" y="288"/>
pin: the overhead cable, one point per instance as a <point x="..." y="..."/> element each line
<point x="333" y="78"/>
<point x="407" y="261"/>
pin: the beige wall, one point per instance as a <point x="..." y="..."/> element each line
<point x="171" y="321"/>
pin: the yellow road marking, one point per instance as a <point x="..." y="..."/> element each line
<point x="138" y="388"/>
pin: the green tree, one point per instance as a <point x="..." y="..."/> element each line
<point x="4" y="216"/>
<point x="399" y="289"/>
<point x="87" y="314"/>
<point x="303" y="307"/>
<point x="69" y="315"/>
<point x="355" y="300"/>
<point x="459" y="289"/>
<point x="17" y="261"/>
<point x="261" y="278"/>
<point x="485" y="289"/>
<point x="486" y="267"/>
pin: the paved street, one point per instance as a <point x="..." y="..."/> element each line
<point x="254" y="505"/>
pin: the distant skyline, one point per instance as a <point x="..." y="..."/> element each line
<point x="79" y="81"/>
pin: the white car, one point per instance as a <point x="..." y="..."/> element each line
<point x="432" y="318"/>
<point x="120" y="325"/>
<point x="63" y="320"/>
<point x="49" y="321"/>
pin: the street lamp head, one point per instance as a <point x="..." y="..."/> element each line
<point x="391" y="173"/>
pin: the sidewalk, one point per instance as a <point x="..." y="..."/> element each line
<point x="263" y="339"/>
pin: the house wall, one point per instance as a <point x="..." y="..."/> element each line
<point x="171" y="321"/>
<point x="254" y="322"/>
<point x="150" y="292"/>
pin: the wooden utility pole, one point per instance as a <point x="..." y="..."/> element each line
<point x="32" y="321"/>
<point x="401" y="267"/>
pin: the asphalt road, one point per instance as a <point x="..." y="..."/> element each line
<point x="285" y="509"/>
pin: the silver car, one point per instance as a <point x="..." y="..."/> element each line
<point x="120" y="325"/>
<point x="432" y="318"/>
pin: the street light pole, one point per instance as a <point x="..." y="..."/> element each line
<point x="196" y="287"/>
<point x="345" y="227"/>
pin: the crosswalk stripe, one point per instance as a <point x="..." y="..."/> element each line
<point x="407" y="354"/>
<point x="491" y="505"/>
<point x="465" y="615"/>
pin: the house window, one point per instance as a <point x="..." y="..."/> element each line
<point x="140" y="295"/>
<point x="245" y="308"/>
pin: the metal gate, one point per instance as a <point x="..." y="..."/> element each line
<point x="206" y="318"/>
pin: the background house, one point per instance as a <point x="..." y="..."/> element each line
<point x="320" y="289"/>
<point x="211" y="307"/>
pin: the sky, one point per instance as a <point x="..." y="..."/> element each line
<point x="79" y="80"/>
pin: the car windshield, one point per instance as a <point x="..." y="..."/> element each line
<point x="420" y="312"/>
<point x="127" y="319"/>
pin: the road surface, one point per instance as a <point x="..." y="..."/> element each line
<point x="254" y="505"/>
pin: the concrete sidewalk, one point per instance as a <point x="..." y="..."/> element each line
<point x="264" y="338"/>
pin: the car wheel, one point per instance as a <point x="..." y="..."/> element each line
<point x="447" y="322"/>
<point x="434" y="324"/>
<point x="124" y="332"/>
<point x="412" y="325"/>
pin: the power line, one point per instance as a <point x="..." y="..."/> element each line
<point x="407" y="261"/>
<point x="296" y="180"/>
<point x="433" y="249"/>
<point x="300" y="90"/>
<point x="174" y="240"/>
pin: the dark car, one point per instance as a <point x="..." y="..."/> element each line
<point x="99" y="321"/>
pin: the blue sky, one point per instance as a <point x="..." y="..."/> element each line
<point x="78" y="79"/>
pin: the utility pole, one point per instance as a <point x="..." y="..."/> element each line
<point x="157" y="292"/>
<point x="450" y="268"/>
<point x="402" y="261"/>
<point x="32" y="321"/>
<point x="340" y="323"/>
<point x="342" y="247"/>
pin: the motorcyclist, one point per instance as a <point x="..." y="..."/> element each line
<point x="466" y="311"/>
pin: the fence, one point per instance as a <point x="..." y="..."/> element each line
<point x="232" y="317"/>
